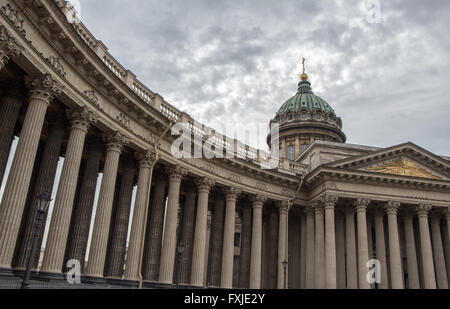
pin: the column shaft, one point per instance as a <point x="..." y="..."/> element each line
<point x="198" y="255"/>
<point x="319" y="252"/>
<point x="44" y="184"/>
<point x="15" y="193"/>
<point x="438" y="252"/>
<point x="363" y="246"/>
<point x="216" y="244"/>
<point x="330" y="242"/>
<point x="100" y="233"/>
<point x="394" y="246"/>
<point x="340" y="251"/>
<point x="169" y="241"/>
<point x="425" y="245"/>
<point x="228" y="239"/>
<point x="256" y="251"/>
<point x="246" y="238"/>
<point x="138" y="226"/>
<point x="310" y="248"/>
<point x="187" y="234"/>
<point x="411" y="257"/>
<point x="9" y="111"/>
<point x="83" y="209"/>
<point x="119" y="229"/>
<point x="62" y="210"/>
<point x="282" y="243"/>
<point x="381" y="248"/>
<point x="303" y="252"/>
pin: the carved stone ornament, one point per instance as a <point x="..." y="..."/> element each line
<point x="146" y="159"/>
<point x="233" y="193"/>
<point x="402" y="167"/>
<point x="56" y="64"/>
<point x="82" y="117"/>
<point x="44" y="87"/>
<point x="115" y="141"/>
<point x="204" y="184"/>
<point x="9" y="47"/>
<point x="13" y="16"/>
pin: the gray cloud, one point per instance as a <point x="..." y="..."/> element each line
<point x="238" y="61"/>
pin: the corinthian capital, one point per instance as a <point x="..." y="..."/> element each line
<point x="283" y="207"/>
<point x="330" y="201"/>
<point x="9" y="47"/>
<point x="204" y="184"/>
<point x="146" y="159"/>
<point x="233" y="193"/>
<point x="392" y="207"/>
<point x="43" y="87"/>
<point x="423" y="210"/>
<point x="176" y="173"/>
<point x="361" y="204"/>
<point x="82" y="117"/>
<point x="318" y="205"/>
<point x="258" y="201"/>
<point x="115" y="141"/>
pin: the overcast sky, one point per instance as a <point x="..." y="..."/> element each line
<point x="235" y="61"/>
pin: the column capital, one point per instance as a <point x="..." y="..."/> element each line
<point x="146" y="159"/>
<point x="9" y="47"/>
<point x="361" y="204"/>
<point x="283" y="207"/>
<point x="43" y="87"/>
<point x="233" y="193"/>
<point x="330" y="200"/>
<point x="258" y="201"/>
<point x="318" y="206"/>
<point x="309" y="211"/>
<point x="423" y="210"/>
<point x="82" y="118"/>
<point x="392" y="207"/>
<point x="204" y="184"/>
<point x="115" y="141"/>
<point x="176" y="173"/>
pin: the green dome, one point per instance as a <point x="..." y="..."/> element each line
<point x="306" y="106"/>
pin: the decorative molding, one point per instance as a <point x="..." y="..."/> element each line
<point x="235" y="178"/>
<point x="261" y="186"/>
<point x="124" y="120"/>
<point x="13" y="16"/>
<point x="9" y="47"/>
<point x="56" y="64"/>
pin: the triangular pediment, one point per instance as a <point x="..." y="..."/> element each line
<point x="407" y="160"/>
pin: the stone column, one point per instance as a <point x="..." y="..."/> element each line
<point x="10" y="48"/>
<point x="271" y="239"/>
<point x="226" y="279"/>
<point x="330" y="242"/>
<point x="425" y="245"/>
<point x="216" y="243"/>
<point x="44" y="184"/>
<point x="119" y="230"/>
<point x="187" y="233"/>
<point x="198" y="256"/>
<point x="340" y="251"/>
<point x="319" y="250"/>
<point x="169" y="241"/>
<point x="9" y="111"/>
<point x="363" y="246"/>
<point x="83" y="209"/>
<point x="394" y="246"/>
<point x="282" y="242"/>
<point x="97" y="253"/>
<point x="146" y="160"/>
<point x="246" y="236"/>
<point x="438" y="250"/>
<point x="446" y="239"/>
<point x="411" y="257"/>
<point x="303" y="252"/>
<point x="381" y="247"/>
<point x="15" y="193"/>
<point x="350" y="248"/>
<point x="310" y="247"/>
<point x="256" y="251"/>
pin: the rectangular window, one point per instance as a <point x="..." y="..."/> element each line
<point x="291" y="153"/>
<point x="304" y="147"/>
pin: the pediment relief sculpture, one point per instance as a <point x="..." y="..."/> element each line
<point x="402" y="167"/>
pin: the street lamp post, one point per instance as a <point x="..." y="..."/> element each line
<point x="285" y="263"/>
<point x="43" y="203"/>
<point x="180" y="250"/>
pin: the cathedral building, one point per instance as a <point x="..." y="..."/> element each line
<point x="326" y="216"/>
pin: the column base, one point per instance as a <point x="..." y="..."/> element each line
<point x="122" y="282"/>
<point x="6" y="272"/>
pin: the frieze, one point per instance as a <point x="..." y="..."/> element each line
<point x="56" y="64"/>
<point x="123" y="120"/>
<point x="235" y="178"/>
<point x="13" y="16"/>
<point x="261" y="186"/>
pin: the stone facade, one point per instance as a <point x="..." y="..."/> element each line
<point x="326" y="214"/>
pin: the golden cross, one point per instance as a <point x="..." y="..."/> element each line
<point x="303" y="62"/>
